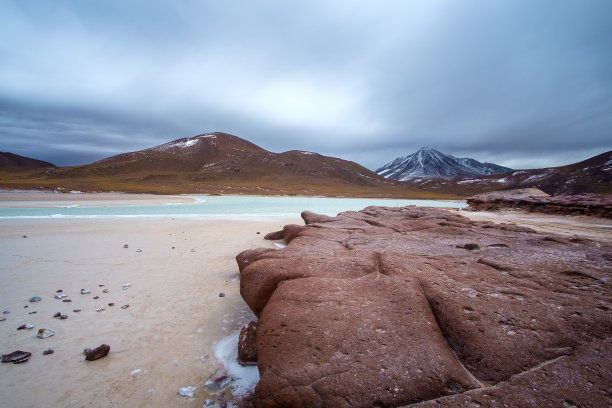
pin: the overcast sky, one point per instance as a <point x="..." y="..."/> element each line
<point x="518" y="83"/>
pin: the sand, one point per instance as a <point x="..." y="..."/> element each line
<point x="162" y="342"/>
<point x="37" y="199"/>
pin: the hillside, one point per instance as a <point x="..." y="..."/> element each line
<point x="593" y="175"/>
<point x="15" y="161"/>
<point x="219" y="163"/>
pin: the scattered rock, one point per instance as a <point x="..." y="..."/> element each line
<point x="48" y="351"/>
<point x="2" y="319"/>
<point x="59" y="291"/>
<point x="221" y="294"/>
<point x="188" y="391"/>
<point x="469" y="247"/>
<point x="97" y="353"/>
<point x="125" y="245"/>
<point x="96" y="297"/>
<point x="25" y="327"/>
<point x="16" y="357"/>
<point x="35" y="299"/>
<point x="24" y="236"/>
<point x="45" y="333"/>
<point x="111" y="304"/>
<point x="85" y="291"/>
<point x="257" y="234"/>
<point x="26" y="306"/>
<point x="63" y="317"/>
<point x="209" y="402"/>
<point x="100" y="309"/>
<point x="34" y="312"/>
<point x="61" y="295"/>
<point x="67" y="300"/>
<point x="100" y="285"/>
<point x="139" y="250"/>
<point x="76" y="310"/>
<point x="247" y="344"/>
<point x="125" y="306"/>
<point x="218" y="383"/>
<point x="105" y="291"/>
<point x="124" y="286"/>
<point x="6" y="312"/>
<point x="57" y="314"/>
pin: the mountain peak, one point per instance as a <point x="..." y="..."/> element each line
<point x="429" y="163"/>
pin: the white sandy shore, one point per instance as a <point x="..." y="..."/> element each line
<point x="168" y="332"/>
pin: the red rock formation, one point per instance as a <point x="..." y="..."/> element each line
<point x="393" y="306"/>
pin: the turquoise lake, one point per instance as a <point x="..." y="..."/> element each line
<point x="223" y="207"/>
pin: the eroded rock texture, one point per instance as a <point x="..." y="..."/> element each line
<point x="582" y="204"/>
<point x="396" y="306"/>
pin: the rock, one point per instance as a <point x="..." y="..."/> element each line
<point x="85" y="291"/>
<point x="247" y="344"/>
<point x="125" y="306"/>
<point x="96" y="297"/>
<point x="76" y="310"/>
<point x="63" y="317"/>
<point x="35" y="299"/>
<point x="67" y="300"/>
<point x="124" y="286"/>
<point x="386" y="307"/>
<point x="100" y="309"/>
<point x="6" y="312"/>
<point x="16" y="357"/>
<point x="45" y="333"/>
<point x="24" y="236"/>
<point x="105" y="291"/>
<point x="139" y="250"/>
<point x="218" y="383"/>
<point x="2" y="319"/>
<point x="97" y="353"/>
<point x="59" y="291"/>
<point x="60" y="295"/>
<point x="111" y="304"/>
<point x="221" y="294"/>
<point x="25" y="327"/>
<point x="34" y="312"/>
<point x="48" y="351"/>
<point x="581" y="204"/>
<point x="469" y="247"/>
<point x="188" y="391"/>
<point x="125" y="245"/>
<point x="57" y="314"/>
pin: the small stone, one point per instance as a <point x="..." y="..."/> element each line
<point x="125" y="245"/>
<point x="87" y="350"/>
<point x="125" y="306"/>
<point x="96" y="297"/>
<point x="125" y="285"/>
<point x="59" y="291"/>
<point x="48" y="351"/>
<point x="258" y="232"/>
<point x="61" y="296"/>
<point x="208" y="402"/>
<point x="221" y="294"/>
<point x="57" y="314"/>
<point x="111" y="304"/>
<point x="63" y="317"/>
<point x="26" y="306"/>
<point x="35" y="299"/>
<point x="76" y="310"/>
<point x="193" y="250"/>
<point x="469" y="247"/>
<point x="85" y="291"/>
<point x="2" y="319"/>
<point x="34" y="312"/>
<point x="16" y="357"/>
<point x="218" y="383"/>
<point x="247" y="349"/>
<point x="25" y="236"/>
<point x="100" y="309"/>
<point x="139" y="250"/>
<point x="25" y="326"/>
<point x="97" y="353"/>
<point x="6" y="312"/>
<point x="188" y="391"/>
<point x="45" y="333"/>
<point x="105" y="291"/>
<point x="100" y="285"/>
<point x="67" y="300"/>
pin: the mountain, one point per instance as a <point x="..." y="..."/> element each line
<point x="431" y="164"/>
<point x="11" y="160"/>
<point x="593" y="175"/>
<point x="220" y="163"/>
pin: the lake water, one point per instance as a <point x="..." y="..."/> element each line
<point x="223" y="207"/>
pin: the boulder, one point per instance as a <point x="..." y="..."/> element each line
<point x="247" y="344"/>
<point x="97" y="353"/>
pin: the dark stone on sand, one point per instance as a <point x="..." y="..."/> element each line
<point x="76" y="310"/>
<point x="63" y="317"/>
<point x="386" y="307"/>
<point x="25" y="326"/>
<point x="6" y="312"/>
<point x="48" y="351"/>
<point x="16" y="357"/>
<point x="469" y="247"/>
<point x="67" y="300"/>
<point x="97" y="353"/>
<point x="111" y="304"/>
<point x="125" y="306"/>
<point x="57" y="314"/>
<point x="96" y="297"/>
<point x="247" y="344"/>
<point x="59" y="291"/>
<point x="35" y="299"/>
<point x="221" y="294"/>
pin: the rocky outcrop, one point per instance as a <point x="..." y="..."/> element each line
<point x="582" y="204"/>
<point x="396" y="306"/>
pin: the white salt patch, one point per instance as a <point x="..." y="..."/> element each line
<point x="188" y="391"/>
<point x="245" y="378"/>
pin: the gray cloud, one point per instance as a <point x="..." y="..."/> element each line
<point x="519" y="83"/>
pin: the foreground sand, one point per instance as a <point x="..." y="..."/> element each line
<point x="34" y="199"/>
<point x="168" y="332"/>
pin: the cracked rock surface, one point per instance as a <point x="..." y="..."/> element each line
<point x="420" y="306"/>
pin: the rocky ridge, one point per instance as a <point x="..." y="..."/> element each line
<point x="398" y="306"/>
<point x="582" y="204"/>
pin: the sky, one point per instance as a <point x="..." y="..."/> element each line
<point x="520" y="83"/>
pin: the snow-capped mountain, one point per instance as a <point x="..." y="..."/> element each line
<point x="431" y="164"/>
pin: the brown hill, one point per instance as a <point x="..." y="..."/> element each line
<point x="15" y="161"/>
<point x="593" y="175"/>
<point x="222" y="163"/>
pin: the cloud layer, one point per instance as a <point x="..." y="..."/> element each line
<point x="518" y="83"/>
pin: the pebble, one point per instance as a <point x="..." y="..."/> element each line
<point x="85" y="291"/>
<point x="61" y="296"/>
<point x="76" y="310"/>
<point x="57" y="314"/>
<point x="100" y="285"/>
<point x="221" y="294"/>
<point x="35" y="299"/>
<point x="139" y="250"/>
<point x="24" y="236"/>
<point x="6" y="312"/>
<point x="48" y="351"/>
<point x="25" y="326"/>
<point x="125" y="245"/>
<point x="45" y="333"/>
<point x="98" y="352"/>
<point x="188" y="391"/>
<point x="125" y="306"/>
<point x="63" y="317"/>
<point x="125" y="286"/>
<point x="100" y="309"/>
<point x="67" y="300"/>
<point x="59" y="291"/>
<point x="111" y="304"/>
<point x="26" y="306"/>
<point x="33" y="312"/>
<point x="105" y="291"/>
<point x="2" y="319"/>
<point x="16" y="357"/>
<point x="96" y="297"/>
